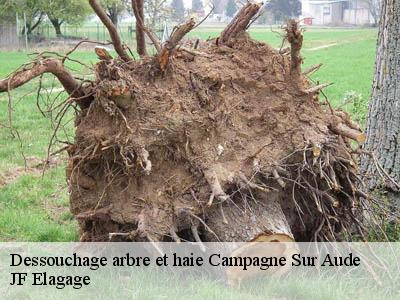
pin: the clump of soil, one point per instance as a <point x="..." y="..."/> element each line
<point x="229" y="143"/>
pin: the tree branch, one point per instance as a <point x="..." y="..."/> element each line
<point x="48" y="65"/>
<point x="37" y="22"/>
<point x="295" y="38"/>
<point x="137" y="6"/>
<point x="116" y="40"/>
<point x="177" y="35"/>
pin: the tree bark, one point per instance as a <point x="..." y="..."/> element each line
<point x="112" y="29"/>
<point x="138" y="10"/>
<point x="49" y="65"/>
<point x="240" y="22"/>
<point x="383" y="127"/>
<point x="261" y="220"/>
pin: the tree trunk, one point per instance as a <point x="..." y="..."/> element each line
<point x="140" y="35"/>
<point x="383" y="127"/>
<point x="57" y="26"/>
<point x="261" y="220"/>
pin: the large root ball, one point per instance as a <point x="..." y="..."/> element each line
<point x="228" y="143"/>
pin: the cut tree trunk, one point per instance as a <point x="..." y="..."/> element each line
<point x="383" y="127"/>
<point x="258" y="220"/>
<point x="57" y="26"/>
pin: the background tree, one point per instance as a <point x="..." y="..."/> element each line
<point x="156" y="11"/>
<point x="197" y="5"/>
<point x="114" y="9"/>
<point x="231" y="8"/>
<point x="61" y="11"/>
<point x="178" y="9"/>
<point x="33" y="10"/>
<point x="7" y="11"/>
<point x="284" y="9"/>
<point x="383" y="125"/>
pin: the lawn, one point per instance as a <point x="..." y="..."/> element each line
<point x="35" y="206"/>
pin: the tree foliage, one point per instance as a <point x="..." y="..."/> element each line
<point x="115" y="8"/>
<point x="35" y="11"/>
<point x="71" y="12"/>
<point x="31" y="9"/>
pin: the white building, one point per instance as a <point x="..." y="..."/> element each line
<point x="339" y="12"/>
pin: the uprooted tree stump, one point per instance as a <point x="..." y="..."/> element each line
<point x="226" y="142"/>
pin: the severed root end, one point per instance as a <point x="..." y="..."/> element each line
<point x="294" y="36"/>
<point x="144" y="160"/>
<point x="102" y="53"/>
<point x="317" y="88"/>
<point x="240" y="22"/>
<point x="216" y="188"/>
<point x="274" y="237"/>
<point x="177" y="35"/>
<point x="345" y="131"/>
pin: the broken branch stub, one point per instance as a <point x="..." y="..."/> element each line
<point x="102" y="53"/>
<point x="294" y="36"/>
<point x="312" y="70"/>
<point x="177" y="35"/>
<point x="240" y="22"/>
<point x="348" y="132"/>
<point x="115" y="38"/>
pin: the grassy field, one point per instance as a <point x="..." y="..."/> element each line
<point x="34" y="207"/>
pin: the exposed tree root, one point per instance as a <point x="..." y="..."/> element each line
<point x="295" y="38"/>
<point x="240" y="22"/>
<point x="111" y="29"/>
<point x="176" y="36"/>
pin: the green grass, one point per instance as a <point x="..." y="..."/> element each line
<point x="36" y="209"/>
<point x="33" y="208"/>
<point x="146" y="284"/>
